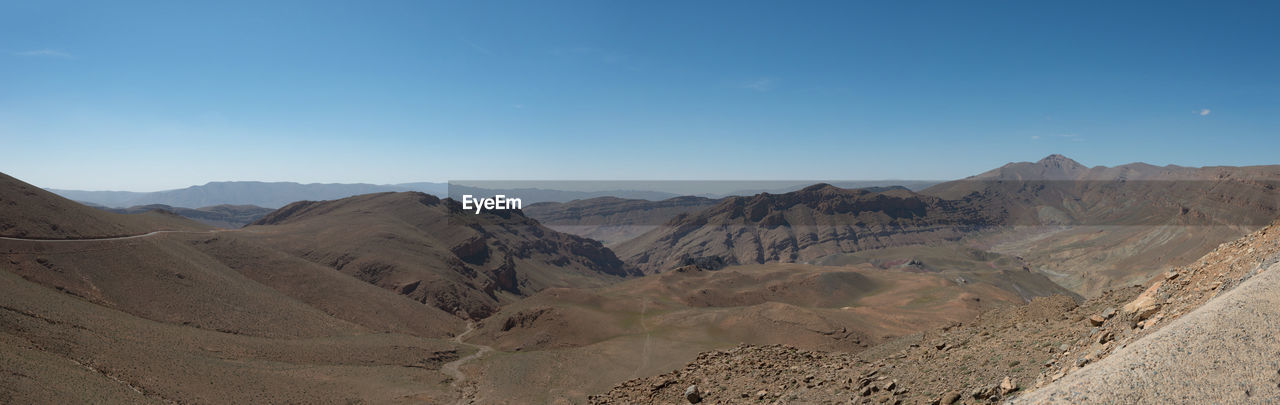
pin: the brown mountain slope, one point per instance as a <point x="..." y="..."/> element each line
<point x="803" y="225"/>
<point x="1223" y="352"/>
<point x="574" y="342"/>
<point x="1115" y="348"/>
<point x="611" y="220"/>
<point x="57" y="348"/>
<point x="205" y="279"/>
<point x="31" y="212"/>
<point x="938" y="364"/>
<point x="199" y="316"/>
<point x="436" y="253"/>
<point x="1091" y="229"/>
<point x="1058" y="190"/>
<point x="1220" y="306"/>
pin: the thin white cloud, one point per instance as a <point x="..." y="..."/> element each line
<point x="1203" y="112"/>
<point x="597" y="54"/>
<point x="44" y="53"/>
<point x="761" y="84"/>
<point x="477" y="47"/>
<point x="1067" y="136"/>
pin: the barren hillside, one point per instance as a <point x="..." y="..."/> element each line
<point x="431" y="251"/>
<point x="1159" y="342"/>
<point x="197" y="316"/>
<point x="31" y="212"/>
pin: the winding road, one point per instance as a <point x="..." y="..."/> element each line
<point x="644" y="354"/>
<point x="140" y="236"/>
<point x="454" y="368"/>
<point x="148" y="234"/>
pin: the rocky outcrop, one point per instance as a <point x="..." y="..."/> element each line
<point x="803" y="225"/>
<point x="610" y="219"/>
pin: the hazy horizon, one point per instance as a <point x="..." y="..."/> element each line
<point x="679" y="187"/>
<point x="148" y="97"/>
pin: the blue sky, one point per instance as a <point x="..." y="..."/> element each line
<point x="149" y="96"/>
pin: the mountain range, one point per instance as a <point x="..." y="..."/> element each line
<point x="278" y="194"/>
<point x="221" y="216"/>
<point x="262" y="194"/>
<point x="403" y="296"/>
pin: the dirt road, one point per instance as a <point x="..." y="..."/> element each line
<point x="454" y="368"/>
<point x="145" y="235"/>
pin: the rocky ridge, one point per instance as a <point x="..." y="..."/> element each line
<point x="1001" y="354"/>
<point x="804" y="225"/>
<point x="1167" y="298"/>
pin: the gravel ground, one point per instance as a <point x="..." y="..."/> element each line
<point x="1225" y="352"/>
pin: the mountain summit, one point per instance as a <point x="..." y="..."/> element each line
<point x="1052" y="167"/>
<point x="1061" y="162"/>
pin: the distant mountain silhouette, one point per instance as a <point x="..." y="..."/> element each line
<point x="222" y="216"/>
<point x="262" y="194"/>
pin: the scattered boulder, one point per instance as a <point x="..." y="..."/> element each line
<point x="1097" y="320"/>
<point x="1081" y="362"/>
<point x="1105" y="337"/>
<point x="978" y="393"/>
<point x="949" y="398"/>
<point x="1007" y="386"/>
<point x="692" y="394"/>
<point x="1146" y="304"/>
<point x="1108" y="313"/>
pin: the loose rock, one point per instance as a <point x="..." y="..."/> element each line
<point x="1109" y="313"/>
<point x="1007" y="386"/>
<point x="1097" y="320"/>
<point x="692" y="394"/>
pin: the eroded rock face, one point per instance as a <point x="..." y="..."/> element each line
<point x="524" y="319"/>
<point x="474" y="250"/>
<point x="803" y="225"/>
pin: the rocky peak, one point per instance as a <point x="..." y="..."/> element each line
<point x="1060" y="162"/>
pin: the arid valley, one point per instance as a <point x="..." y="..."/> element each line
<point x="639" y="202"/>
<point x="406" y="297"/>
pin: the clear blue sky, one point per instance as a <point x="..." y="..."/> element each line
<point x="149" y="96"/>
